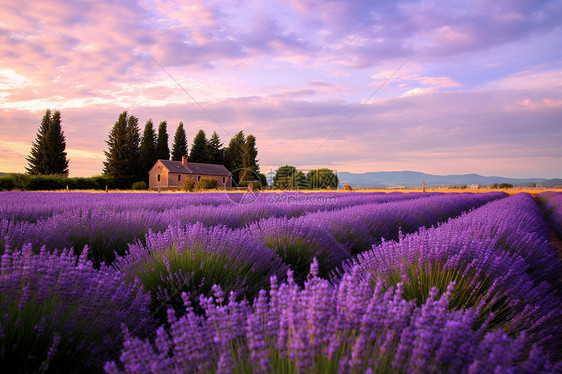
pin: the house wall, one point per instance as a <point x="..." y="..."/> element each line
<point x="227" y="180"/>
<point x="173" y="179"/>
<point x="158" y="168"/>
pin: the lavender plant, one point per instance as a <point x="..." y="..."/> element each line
<point x="59" y="314"/>
<point x="505" y="282"/>
<point x="193" y="258"/>
<point x="350" y="328"/>
<point x="298" y="244"/>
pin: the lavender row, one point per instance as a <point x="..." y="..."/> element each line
<point x="34" y="206"/>
<point x="358" y="228"/>
<point x="552" y="202"/>
<point x="350" y="328"/>
<point x="192" y="258"/>
<point x="107" y="226"/>
<point x="498" y="256"/>
<point x="59" y="314"/>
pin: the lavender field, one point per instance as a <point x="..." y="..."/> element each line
<point x="280" y="283"/>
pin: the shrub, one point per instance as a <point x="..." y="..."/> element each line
<point x="323" y="329"/>
<point x="207" y="183"/>
<point x="140" y="186"/>
<point x="59" y="314"/>
<point x="193" y="258"/>
<point x="298" y="243"/>
<point x="7" y="182"/>
<point x="506" y="185"/>
<point x="188" y="185"/>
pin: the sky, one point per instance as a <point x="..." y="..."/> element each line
<point x="353" y="85"/>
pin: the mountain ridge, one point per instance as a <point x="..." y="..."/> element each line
<point x="415" y="178"/>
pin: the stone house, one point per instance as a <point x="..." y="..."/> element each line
<point x="171" y="174"/>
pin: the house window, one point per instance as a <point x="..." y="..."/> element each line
<point x="223" y="179"/>
<point x="179" y="177"/>
<point x="158" y="177"/>
<point x="198" y="178"/>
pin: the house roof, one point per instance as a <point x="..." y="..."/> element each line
<point x="194" y="168"/>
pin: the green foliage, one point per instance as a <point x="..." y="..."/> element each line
<point x="147" y="151"/>
<point x="470" y="291"/>
<point x="7" y="182"/>
<point x="289" y="177"/>
<point x="26" y="182"/>
<point x="162" y="149"/>
<point x="506" y="185"/>
<point x="215" y="150"/>
<point x="140" y="186"/>
<point x="122" y="156"/>
<point x="179" y="147"/>
<point x="234" y="156"/>
<point x="199" y="148"/>
<point x="194" y="271"/>
<point x="298" y="252"/>
<point x="25" y="348"/>
<point x="263" y="180"/>
<point x="207" y="183"/>
<point x="322" y="179"/>
<point x="48" y="154"/>
<point x="188" y="185"/>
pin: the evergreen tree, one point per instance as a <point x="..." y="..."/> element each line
<point x="48" y="154"/>
<point x="147" y="151"/>
<point x="179" y="148"/>
<point x="234" y="156"/>
<point x="37" y="157"/>
<point x="162" y="149"/>
<point x="250" y="172"/>
<point x="215" y="150"/>
<point x="122" y="156"/>
<point x="134" y="168"/>
<point x="199" y="148"/>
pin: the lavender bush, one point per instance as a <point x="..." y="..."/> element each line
<point x="298" y="243"/>
<point x="358" y="228"/>
<point x="193" y="258"/>
<point x="350" y="328"/>
<point x="492" y="264"/>
<point x="62" y="315"/>
<point x="108" y="222"/>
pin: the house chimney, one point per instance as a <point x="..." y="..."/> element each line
<point x="184" y="160"/>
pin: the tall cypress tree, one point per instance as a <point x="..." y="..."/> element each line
<point x="199" y="149"/>
<point x="251" y="169"/>
<point x="234" y="156"/>
<point x="147" y="151"/>
<point x="215" y="150"/>
<point x="134" y="169"/>
<point x="162" y="149"/>
<point x="115" y="154"/>
<point x="37" y="156"/>
<point x="48" y="154"/>
<point x="179" y="148"/>
<point x="56" y="145"/>
<point x="122" y="156"/>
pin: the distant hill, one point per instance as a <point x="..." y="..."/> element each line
<point x="556" y="182"/>
<point x="2" y="173"/>
<point x="415" y="179"/>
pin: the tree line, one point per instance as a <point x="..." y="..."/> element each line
<point x="130" y="157"/>
<point x="289" y="177"/>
